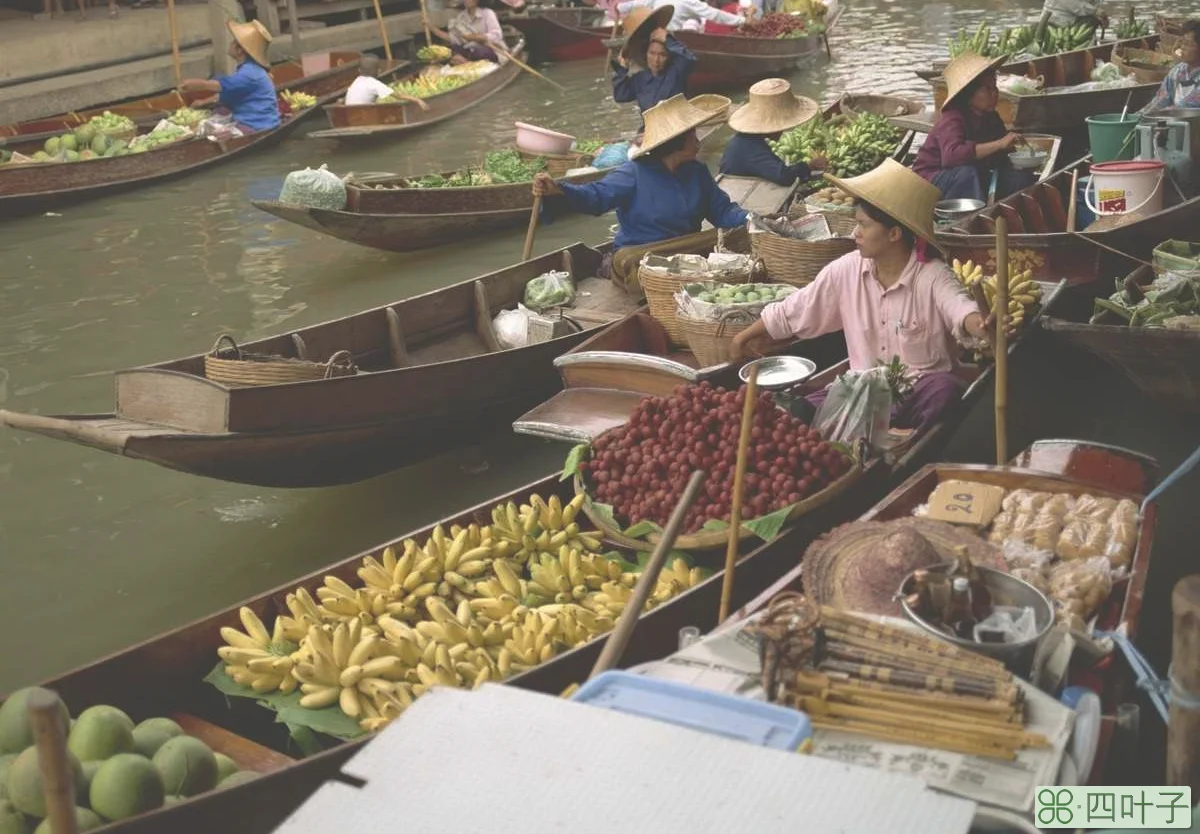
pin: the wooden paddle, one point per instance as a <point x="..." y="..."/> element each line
<point x="1001" y="347"/>
<point x="1073" y="203"/>
<point x="525" y="66"/>
<point x="614" y="647"/>
<point x="174" y="27"/>
<point x="425" y="23"/>
<point x="533" y="224"/>
<point x="58" y="782"/>
<point x="294" y="26"/>
<point x="387" y="46"/>
<point x="739" y="479"/>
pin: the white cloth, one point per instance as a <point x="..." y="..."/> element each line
<point x="689" y="14"/>
<point x="1069" y="12"/>
<point x="366" y="90"/>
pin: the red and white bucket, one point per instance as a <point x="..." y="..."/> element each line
<point x="1126" y="187"/>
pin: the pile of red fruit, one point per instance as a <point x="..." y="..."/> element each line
<point x="775" y="25"/>
<point x="641" y="468"/>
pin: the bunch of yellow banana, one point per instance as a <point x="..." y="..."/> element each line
<point x="675" y="579"/>
<point x="570" y="576"/>
<point x="968" y="273"/>
<point x="1019" y="259"/>
<point x="298" y="100"/>
<point x="257" y="658"/>
<point x="522" y="533"/>
<point x="1023" y="292"/>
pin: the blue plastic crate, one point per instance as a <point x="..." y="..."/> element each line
<point x="744" y="719"/>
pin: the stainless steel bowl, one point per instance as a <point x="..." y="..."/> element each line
<point x="777" y="372"/>
<point x="956" y="209"/>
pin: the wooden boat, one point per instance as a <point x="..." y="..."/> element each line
<point x="146" y="112"/>
<point x="1056" y="111"/>
<point x="27" y="188"/>
<point x="563" y="34"/>
<point x="1147" y="66"/>
<point x="431" y="376"/>
<point x="390" y="120"/>
<point x="1165" y="364"/>
<point x="1037" y="232"/>
<point x="890" y="106"/>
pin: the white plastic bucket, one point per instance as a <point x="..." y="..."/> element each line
<point x="1126" y="187"/>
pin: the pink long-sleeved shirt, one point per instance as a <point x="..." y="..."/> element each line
<point x="917" y="318"/>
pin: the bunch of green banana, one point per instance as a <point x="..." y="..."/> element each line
<point x="257" y="658"/>
<point x="979" y="42"/>
<point x="1067" y="38"/>
<point x="1131" y="27"/>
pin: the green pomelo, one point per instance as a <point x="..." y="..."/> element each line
<point x="52" y="145"/>
<point x="226" y="767"/>
<point x="15" y="732"/>
<point x="126" y="785"/>
<point x="69" y="142"/>
<point x="239" y="778"/>
<point x="73" y="156"/>
<point x="85" y="819"/>
<point x="153" y="733"/>
<point x="5" y="763"/>
<point x="90" y="769"/>
<point x="101" y="732"/>
<point x="187" y="766"/>
<point x="84" y="134"/>
<point x="25" y="783"/>
<point x="100" y="143"/>
<point x="12" y="821"/>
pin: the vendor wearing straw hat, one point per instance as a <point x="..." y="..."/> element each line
<point x="653" y="66"/>
<point x="772" y="109"/>
<point x="888" y="297"/>
<point x="248" y="92"/>
<point x="663" y="193"/>
<point x="474" y="34"/>
<point x="970" y="142"/>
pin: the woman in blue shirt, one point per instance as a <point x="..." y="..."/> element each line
<point x="248" y="92"/>
<point x="663" y="193"/>
<point x="772" y="109"/>
<point x="660" y="64"/>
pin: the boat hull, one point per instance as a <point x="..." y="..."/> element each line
<point x="562" y="34"/>
<point x="724" y="61"/>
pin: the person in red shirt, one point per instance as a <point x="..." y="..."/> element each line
<point x="711" y="28"/>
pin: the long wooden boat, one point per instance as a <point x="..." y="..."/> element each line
<point x="1165" y="364"/>
<point x="1037" y="231"/>
<point x="1056" y="111"/>
<point x="147" y="111"/>
<point x="562" y="34"/>
<point x="431" y="376"/>
<point x="393" y="119"/>
<point x="27" y="188"/>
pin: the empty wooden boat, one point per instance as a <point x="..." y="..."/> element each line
<point x="392" y="119"/>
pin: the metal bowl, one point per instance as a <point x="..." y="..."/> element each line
<point x="956" y="209"/>
<point x="1005" y="590"/>
<point x="777" y="372"/>
<point x="1027" y="160"/>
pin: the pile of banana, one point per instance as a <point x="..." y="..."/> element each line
<point x="469" y="605"/>
<point x="1023" y="291"/>
<point x="298" y="100"/>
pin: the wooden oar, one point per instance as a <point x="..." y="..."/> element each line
<point x="533" y="224"/>
<point x="425" y="23"/>
<point x="739" y="480"/>
<point x="174" y="27"/>
<point x="614" y="647"/>
<point x="1073" y="203"/>
<point x="58" y="783"/>
<point x="1001" y="347"/>
<point x="387" y="46"/>
<point x="524" y="65"/>
<point x="294" y="26"/>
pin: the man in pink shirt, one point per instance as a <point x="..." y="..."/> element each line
<point x="887" y="297"/>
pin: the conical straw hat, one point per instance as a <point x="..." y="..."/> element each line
<point x="637" y="27"/>
<point x="963" y="70"/>
<point x="254" y="38"/>
<point x="772" y="108"/>
<point x="676" y="116"/>
<point x="895" y="190"/>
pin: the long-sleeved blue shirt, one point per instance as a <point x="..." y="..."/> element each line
<point x="748" y="155"/>
<point x="652" y="204"/>
<point x="648" y="89"/>
<point x="249" y="93"/>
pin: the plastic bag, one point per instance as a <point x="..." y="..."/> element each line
<point x="1122" y="534"/>
<point x="1020" y="556"/>
<point x="512" y="327"/>
<point x="1034" y="576"/>
<point x="321" y="189"/>
<point x="858" y="405"/>
<point x="550" y="289"/>
<point x="610" y="156"/>
<point x="1079" y="588"/>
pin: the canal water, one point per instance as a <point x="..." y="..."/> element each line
<point x="97" y="552"/>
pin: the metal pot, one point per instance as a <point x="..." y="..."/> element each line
<point x="956" y="209"/>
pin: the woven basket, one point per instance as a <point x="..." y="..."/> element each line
<point x="660" y="287"/>
<point x="710" y="340"/>
<point x="558" y="165"/>
<point x="230" y="365"/>
<point x="797" y="262"/>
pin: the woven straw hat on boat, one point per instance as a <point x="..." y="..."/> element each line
<point x="254" y="38"/>
<point x="637" y="27"/>
<point x="963" y="70"/>
<point x="773" y="108"/>
<point x="895" y="190"/>
<point x="676" y="116"/>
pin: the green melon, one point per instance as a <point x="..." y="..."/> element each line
<point x="84" y="134"/>
<point x="52" y="145"/>
<point x="73" y="156"/>
<point x="15" y="732"/>
<point x="153" y="733"/>
<point x="101" y="732"/>
<point x="5" y="763"/>
<point x="187" y="766"/>
<point x="25" y="783"/>
<point x="226" y="767"/>
<point x="85" y="819"/>
<point x="126" y="785"/>
<point x="69" y="142"/>
<point x="99" y="144"/>
<point x="239" y="778"/>
<point x="12" y="821"/>
<point x="89" y="773"/>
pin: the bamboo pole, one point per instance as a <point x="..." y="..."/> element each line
<point x="387" y="45"/>
<point x="533" y="224"/>
<point x="1001" y="347"/>
<point x="1073" y="203"/>
<point x="294" y="29"/>
<point x="1183" y="718"/>
<point x="526" y="67"/>
<point x="425" y="23"/>
<point x="615" y="645"/>
<point x="58" y="782"/>
<point x="739" y="480"/>
<point x="173" y="25"/>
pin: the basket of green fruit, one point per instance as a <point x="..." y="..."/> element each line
<point x="710" y="314"/>
<point x="796" y="261"/>
<point x="113" y="126"/>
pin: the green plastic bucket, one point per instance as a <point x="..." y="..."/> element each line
<point x="1111" y="137"/>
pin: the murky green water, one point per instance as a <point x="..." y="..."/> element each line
<point x="97" y="552"/>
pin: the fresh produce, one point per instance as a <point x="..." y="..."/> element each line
<point x="25" y="782"/>
<point x="187" y="766"/>
<point x="125" y="785"/>
<point x="1166" y="299"/>
<point x="298" y="100"/>
<point x="12" y="821"/>
<point x="188" y="116"/>
<point x="834" y="196"/>
<point x="15" y="731"/>
<point x="85" y="819"/>
<point x="1023" y="292"/>
<point x="99" y="733"/>
<point x="745" y="293"/>
<point x="165" y="133"/>
<point x="780" y="25"/>
<point x="852" y="145"/>
<point x="468" y="605"/>
<point x="152" y="734"/>
<point x="1131" y="27"/>
<point x="588" y="146"/>
<point x="434" y="53"/>
<point x="1021" y="40"/>
<point x="109" y="123"/>
<point x="426" y="85"/>
<point x="640" y="469"/>
<point x="499" y="167"/>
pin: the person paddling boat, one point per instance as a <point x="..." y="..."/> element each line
<point x="248" y="93"/>
<point x="772" y="109"/>
<point x="892" y="296"/>
<point x="653" y="65"/>
<point x="664" y="192"/>
<point x="970" y="143"/>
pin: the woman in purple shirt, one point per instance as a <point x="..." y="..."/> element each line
<point x="970" y="143"/>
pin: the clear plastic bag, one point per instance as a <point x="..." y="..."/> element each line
<point x="858" y="405"/>
<point x="321" y="189"/>
<point x="512" y="327"/>
<point x="550" y="289"/>
<point x="1092" y="508"/>
<point x="1020" y="556"/>
<point x="1122" y="534"/>
<point x="1034" y="576"/>
<point x="1079" y="588"/>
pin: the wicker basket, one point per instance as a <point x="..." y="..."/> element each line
<point x="660" y="287"/>
<point x="228" y="364"/>
<point x="710" y="340"/>
<point x="797" y="262"/>
<point x="558" y="165"/>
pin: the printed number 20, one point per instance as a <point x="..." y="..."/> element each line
<point x="964" y="505"/>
